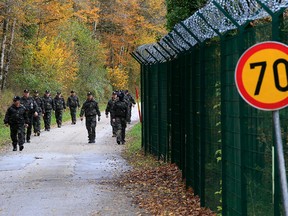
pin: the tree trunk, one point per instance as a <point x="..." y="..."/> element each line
<point x="8" y="56"/>
<point x="3" y="48"/>
<point x="94" y="30"/>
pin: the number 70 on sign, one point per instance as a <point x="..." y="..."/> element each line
<point x="261" y="75"/>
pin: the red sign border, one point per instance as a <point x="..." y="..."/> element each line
<point x="238" y="75"/>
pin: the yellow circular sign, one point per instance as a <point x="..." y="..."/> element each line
<point x="262" y="75"/>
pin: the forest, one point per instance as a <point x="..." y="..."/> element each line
<point x="82" y="45"/>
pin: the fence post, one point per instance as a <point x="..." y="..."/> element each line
<point x="190" y="32"/>
<point x="202" y="115"/>
<point x="141" y="57"/>
<point x="160" y="53"/>
<point x="171" y="56"/>
<point x="152" y="55"/>
<point x="176" y="42"/>
<point x="242" y="179"/>
<point x="176" y="49"/>
<point x="136" y="58"/>
<point x="182" y="38"/>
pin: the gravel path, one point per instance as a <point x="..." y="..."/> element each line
<point x="60" y="173"/>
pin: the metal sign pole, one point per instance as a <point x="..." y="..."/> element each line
<point x="281" y="161"/>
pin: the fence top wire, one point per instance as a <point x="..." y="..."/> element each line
<point x="214" y="19"/>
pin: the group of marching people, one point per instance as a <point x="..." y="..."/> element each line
<point x="26" y="112"/>
<point x="119" y="107"/>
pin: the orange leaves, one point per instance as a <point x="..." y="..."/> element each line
<point x="118" y="78"/>
<point x="126" y="24"/>
<point x="89" y="15"/>
<point x="51" y="14"/>
<point x="161" y="191"/>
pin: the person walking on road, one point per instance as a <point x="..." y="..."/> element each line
<point x="37" y="119"/>
<point x="59" y="106"/>
<point x="31" y="109"/>
<point x="48" y="108"/>
<point x="108" y="110"/>
<point x="90" y="109"/>
<point x="73" y="104"/>
<point x="131" y="102"/>
<point x="16" y="117"/>
<point x="119" y="117"/>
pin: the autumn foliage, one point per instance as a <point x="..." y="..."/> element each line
<point x="84" y="45"/>
<point x="118" y="78"/>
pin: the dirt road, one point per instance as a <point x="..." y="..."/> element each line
<point x="59" y="173"/>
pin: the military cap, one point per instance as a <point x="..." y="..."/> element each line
<point x="47" y="92"/>
<point x="72" y="91"/>
<point x="26" y="91"/>
<point x="16" y="98"/>
<point x="89" y="93"/>
<point x="58" y="92"/>
<point x="36" y="92"/>
<point x="114" y="93"/>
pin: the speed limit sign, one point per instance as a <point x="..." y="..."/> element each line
<point x="261" y="75"/>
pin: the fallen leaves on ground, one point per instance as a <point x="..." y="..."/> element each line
<point x="160" y="190"/>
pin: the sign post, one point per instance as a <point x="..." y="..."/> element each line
<point x="261" y="78"/>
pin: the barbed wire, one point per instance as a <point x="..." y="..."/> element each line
<point x="214" y="19"/>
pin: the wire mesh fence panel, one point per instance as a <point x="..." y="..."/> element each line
<point x="212" y="127"/>
<point x="145" y="108"/>
<point x="153" y="109"/>
<point x="196" y="120"/>
<point x="194" y="114"/>
<point x="163" y="112"/>
<point x="176" y="114"/>
<point x="232" y="181"/>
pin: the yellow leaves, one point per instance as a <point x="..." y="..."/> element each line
<point x="53" y="59"/>
<point x="118" y="78"/>
<point x="124" y="25"/>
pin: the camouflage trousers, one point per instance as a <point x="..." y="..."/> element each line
<point x="73" y="111"/>
<point x="120" y="124"/>
<point x="113" y="124"/>
<point x="129" y="114"/>
<point x="17" y="134"/>
<point x="37" y="123"/>
<point x="58" y="116"/>
<point x="47" y="119"/>
<point x="29" y="128"/>
<point x="91" y="127"/>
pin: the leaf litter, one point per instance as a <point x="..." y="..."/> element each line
<point x="159" y="189"/>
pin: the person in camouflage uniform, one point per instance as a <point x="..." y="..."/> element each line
<point x="31" y="109"/>
<point x="131" y="102"/>
<point x="37" y="119"/>
<point x="16" y="117"/>
<point x="90" y="109"/>
<point x="48" y="107"/>
<point x="59" y="106"/>
<point x="119" y="116"/>
<point x="108" y="110"/>
<point x="73" y="104"/>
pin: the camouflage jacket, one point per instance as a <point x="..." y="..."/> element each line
<point x="90" y="108"/>
<point x="16" y="115"/>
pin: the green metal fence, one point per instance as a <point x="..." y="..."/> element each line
<point x="193" y="115"/>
